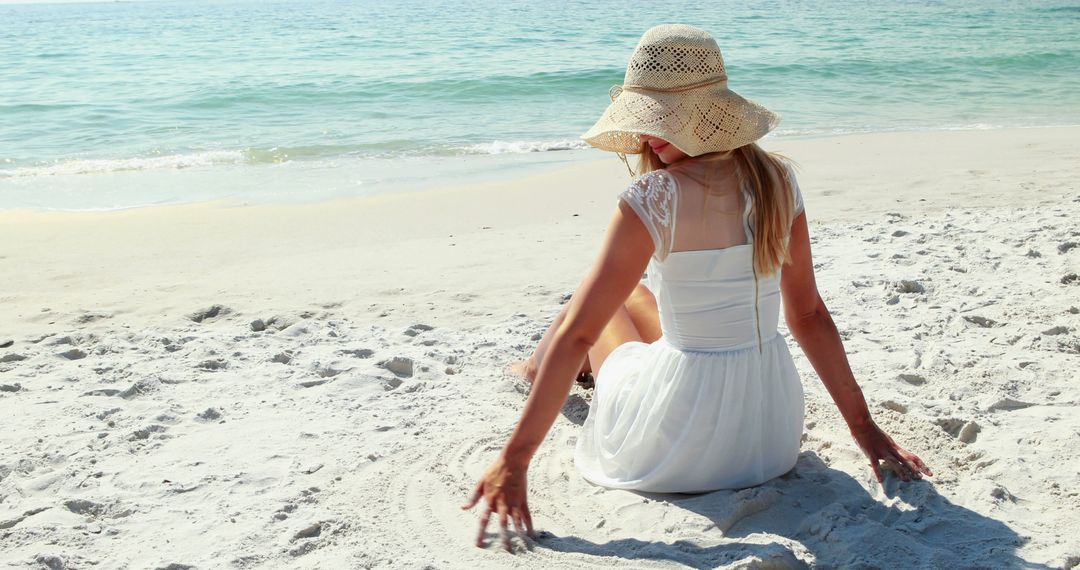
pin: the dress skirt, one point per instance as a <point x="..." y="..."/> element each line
<point x="669" y="420"/>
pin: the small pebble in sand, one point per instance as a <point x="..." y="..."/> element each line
<point x="258" y="325"/>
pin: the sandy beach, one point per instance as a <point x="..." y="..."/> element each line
<point x="225" y="385"/>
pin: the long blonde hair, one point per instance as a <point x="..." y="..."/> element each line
<point x="770" y="191"/>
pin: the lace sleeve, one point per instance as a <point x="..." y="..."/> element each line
<point x="796" y="193"/>
<point x="653" y="197"/>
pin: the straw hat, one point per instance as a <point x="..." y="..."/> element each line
<point x="676" y="89"/>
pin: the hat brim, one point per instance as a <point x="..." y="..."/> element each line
<point x="699" y="121"/>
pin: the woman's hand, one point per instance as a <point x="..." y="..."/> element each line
<point x="504" y="490"/>
<point x="878" y="446"/>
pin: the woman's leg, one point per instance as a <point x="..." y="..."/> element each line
<point x="619" y="330"/>
<point x="530" y="367"/>
<point x="637" y="320"/>
<point x="640" y="308"/>
<point x="643" y="311"/>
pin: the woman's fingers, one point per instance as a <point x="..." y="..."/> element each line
<point x="483" y="526"/>
<point x="517" y="515"/>
<point x="897" y="467"/>
<point x="877" y="468"/>
<point x="528" y="520"/>
<point x="912" y="462"/>
<point x="504" y="526"/>
<point x="477" y="493"/>
<point x="919" y="464"/>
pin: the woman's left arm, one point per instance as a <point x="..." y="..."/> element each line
<point x="812" y="326"/>
<point x="623" y="258"/>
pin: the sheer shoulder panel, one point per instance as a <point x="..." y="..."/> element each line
<point x="796" y="193"/>
<point x="654" y="197"/>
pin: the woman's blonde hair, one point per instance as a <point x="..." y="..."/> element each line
<point x="770" y="191"/>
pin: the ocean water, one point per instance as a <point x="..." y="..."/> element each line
<point x="119" y="104"/>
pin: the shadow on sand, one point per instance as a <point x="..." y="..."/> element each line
<point x="815" y="516"/>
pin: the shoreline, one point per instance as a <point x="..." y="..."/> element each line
<point x="338" y="178"/>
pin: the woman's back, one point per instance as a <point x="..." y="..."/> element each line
<point x="708" y="293"/>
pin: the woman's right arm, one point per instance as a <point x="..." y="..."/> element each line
<point x="810" y="323"/>
<point x="623" y="257"/>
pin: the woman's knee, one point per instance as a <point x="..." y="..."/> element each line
<point x="641" y="305"/>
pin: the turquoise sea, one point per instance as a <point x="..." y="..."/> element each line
<point x="120" y="104"/>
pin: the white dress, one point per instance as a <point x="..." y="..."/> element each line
<point x="716" y="402"/>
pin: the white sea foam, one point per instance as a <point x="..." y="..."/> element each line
<point x="105" y="166"/>
<point x="520" y="147"/>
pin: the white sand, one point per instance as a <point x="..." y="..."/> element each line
<point x="136" y="437"/>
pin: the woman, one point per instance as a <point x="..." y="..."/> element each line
<point x="695" y="390"/>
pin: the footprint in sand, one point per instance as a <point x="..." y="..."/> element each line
<point x="85" y="507"/>
<point x="211" y="312"/>
<point x="417" y="329"/>
<point x="399" y="365"/>
<point x="213" y="365"/>
<point x="1008" y="405"/>
<point x="139" y="388"/>
<point x="913" y="379"/>
<point x="73" y="354"/>
<point x="209" y="415"/>
<point x="51" y="562"/>
<point x="981" y="321"/>
<point x="965" y="431"/>
<point x="146" y="432"/>
<point x="87" y="318"/>
<point x="909" y="286"/>
<point x="894" y="406"/>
